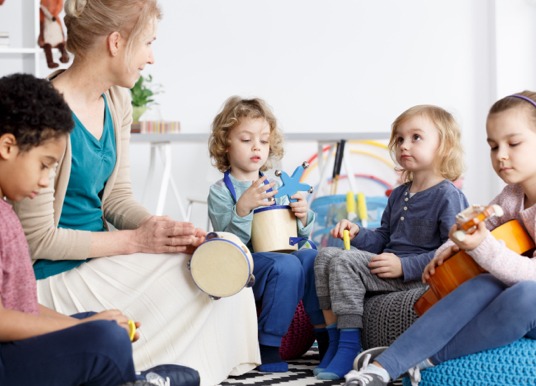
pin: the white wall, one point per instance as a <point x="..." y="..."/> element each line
<point x="343" y="65"/>
<point x="515" y="56"/>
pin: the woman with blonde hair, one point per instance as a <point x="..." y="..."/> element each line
<point x="140" y="267"/>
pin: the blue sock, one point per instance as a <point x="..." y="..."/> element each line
<point x="271" y="360"/>
<point x="333" y="334"/>
<point x="277" y="367"/>
<point x="342" y="362"/>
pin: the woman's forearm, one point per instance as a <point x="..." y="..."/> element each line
<point x="112" y="243"/>
<point x="158" y="234"/>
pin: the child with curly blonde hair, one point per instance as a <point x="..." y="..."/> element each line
<point x="245" y="139"/>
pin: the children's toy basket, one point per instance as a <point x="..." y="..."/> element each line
<point x="370" y="187"/>
<point x="331" y="209"/>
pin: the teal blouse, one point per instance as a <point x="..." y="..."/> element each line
<point x="93" y="161"/>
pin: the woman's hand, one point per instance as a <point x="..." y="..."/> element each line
<point x="300" y="207"/>
<point x="353" y="229"/>
<point x="386" y="265"/>
<point x="199" y="238"/>
<point x="160" y="234"/>
<point x="256" y="195"/>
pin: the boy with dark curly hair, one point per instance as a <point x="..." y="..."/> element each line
<point x="39" y="346"/>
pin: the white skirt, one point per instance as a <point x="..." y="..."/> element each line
<point x="179" y="323"/>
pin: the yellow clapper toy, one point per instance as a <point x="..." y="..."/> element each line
<point x="346" y="239"/>
<point x="131" y="329"/>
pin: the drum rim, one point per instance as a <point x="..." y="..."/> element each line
<point x="248" y="257"/>
<point x="264" y="208"/>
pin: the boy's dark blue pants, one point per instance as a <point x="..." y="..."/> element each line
<point x="281" y="281"/>
<point x="93" y="353"/>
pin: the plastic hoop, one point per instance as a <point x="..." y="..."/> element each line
<point x="388" y="162"/>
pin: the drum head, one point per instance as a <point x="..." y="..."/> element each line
<point x="220" y="268"/>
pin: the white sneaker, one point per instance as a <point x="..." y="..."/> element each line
<point x="170" y="375"/>
<point x="157" y="380"/>
<point x="414" y="375"/>
<point x="367" y="356"/>
<point x="363" y="359"/>
<point x="362" y="378"/>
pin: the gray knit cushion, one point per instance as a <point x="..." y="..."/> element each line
<point x="386" y="316"/>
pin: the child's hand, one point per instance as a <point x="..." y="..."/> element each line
<point x="338" y="231"/>
<point x="256" y="195"/>
<point x="438" y="259"/>
<point x="471" y="240"/>
<point x="118" y="317"/>
<point x="386" y="265"/>
<point x="300" y="207"/>
<point x="136" y="334"/>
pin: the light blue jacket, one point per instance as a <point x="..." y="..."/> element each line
<point x="222" y="211"/>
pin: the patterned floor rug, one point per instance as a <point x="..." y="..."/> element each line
<point x="300" y="374"/>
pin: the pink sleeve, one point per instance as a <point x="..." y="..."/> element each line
<point x="493" y="255"/>
<point x="503" y="263"/>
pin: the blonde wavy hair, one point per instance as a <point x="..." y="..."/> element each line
<point x="449" y="156"/>
<point x="512" y="102"/>
<point x="235" y="109"/>
<point x="87" y="20"/>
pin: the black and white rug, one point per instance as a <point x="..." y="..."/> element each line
<point x="300" y="374"/>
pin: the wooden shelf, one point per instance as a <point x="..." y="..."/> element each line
<point x="31" y="54"/>
<point x="14" y="50"/>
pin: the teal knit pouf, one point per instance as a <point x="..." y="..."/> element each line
<point x="511" y="365"/>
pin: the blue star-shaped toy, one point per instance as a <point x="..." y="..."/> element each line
<point x="291" y="185"/>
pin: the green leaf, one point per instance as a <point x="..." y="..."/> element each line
<point x="144" y="91"/>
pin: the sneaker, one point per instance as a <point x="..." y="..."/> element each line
<point x="367" y="356"/>
<point x="170" y="375"/>
<point x="157" y="380"/>
<point x="361" y="378"/>
<point x="414" y="375"/>
<point x="363" y="359"/>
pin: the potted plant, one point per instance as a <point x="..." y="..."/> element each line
<point x="142" y="94"/>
